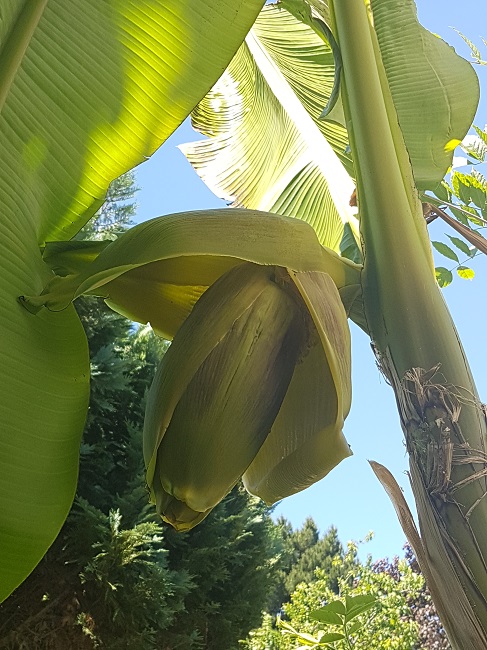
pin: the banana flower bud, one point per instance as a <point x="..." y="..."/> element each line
<point x="256" y="384"/>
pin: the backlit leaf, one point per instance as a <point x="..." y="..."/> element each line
<point x="442" y="191"/>
<point x="267" y="147"/>
<point x="435" y="92"/>
<point x="466" y="273"/>
<point x="88" y="89"/>
<point x="330" y="637"/>
<point x="325" y="615"/>
<point x="357" y="605"/>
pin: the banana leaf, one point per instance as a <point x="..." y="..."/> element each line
<point x="267" y="147"/>
<point x="88" y="89"/>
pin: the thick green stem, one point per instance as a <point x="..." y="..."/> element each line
<point x="407" y="317"/>
<point x="13" y="49"/>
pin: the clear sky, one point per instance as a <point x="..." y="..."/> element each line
<point x="350" y="497"/>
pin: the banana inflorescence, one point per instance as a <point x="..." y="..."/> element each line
<point x="256" y="383"/>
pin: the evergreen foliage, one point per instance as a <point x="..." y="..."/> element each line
<point x="116" y="213"/>
<point x="230" y="557"/>
<point x="303" y="551"/>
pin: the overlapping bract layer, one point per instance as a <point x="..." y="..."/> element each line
<point x="256" y="383"/>
<point x="218" y="390"/>
<point x="157" y="271"/>
<point x="306" y="439"/>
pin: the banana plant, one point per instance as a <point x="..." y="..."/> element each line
<point x="256" y="303"/>
<point x="88" y="89"/>
<point x="406" y="100"/>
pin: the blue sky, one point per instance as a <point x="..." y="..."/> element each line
<point x="350" y="497"/>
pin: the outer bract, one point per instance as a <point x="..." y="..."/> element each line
<point x="231" y="392"/>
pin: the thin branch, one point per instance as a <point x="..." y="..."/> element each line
<point x="470" y="235"/>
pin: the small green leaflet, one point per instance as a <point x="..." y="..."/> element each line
<point x="461" y="187"/>
<point x="324" y="615"/>
<point x="460" y="215"/>
<point x="470" y="188"/>
<point x="357" y="605"/>
<point x="482" y="134"/>
<point x="463" y="246"/>
<point x="446" y="251"/>
<point x="333" y="613"/>
<point x="304" y="636"/>
<point x="477" y="150"/>
<point x="444" y="277"/>
<point x="476" y="54"/>
<point x="330" y="637"/>
<point x="466" y="273"/>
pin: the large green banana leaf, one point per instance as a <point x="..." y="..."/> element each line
<point x="99" y="88"/>
<point x="267" y="149"/>
<point x="435" y="92"/>
<point x="88" y="89"/>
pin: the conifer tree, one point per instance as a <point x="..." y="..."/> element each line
<point x="302" y="552"/>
